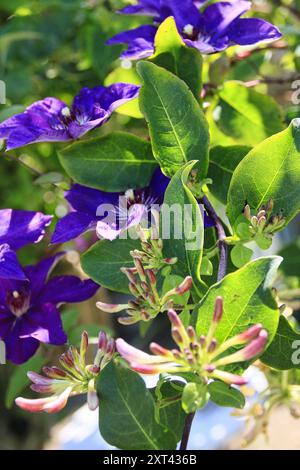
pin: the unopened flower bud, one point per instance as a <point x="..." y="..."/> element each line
<point x="84" y="344"/>
<point x="249" y="334"/>
<point x="111" y="308"/>
<point x="185" y="286"/>
<point x="218" y="311"/>
<point x="247" y="212"/>
<point x="92" y="398"/>
<point x="159" y="350"/>
<point x="102" y="341"/>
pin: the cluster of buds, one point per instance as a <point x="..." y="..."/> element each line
<point x="151" y="253"/>
<point x="147" y="303"/>
<point x="74" y="377"/>
<point x="202" y="356"/>
<point x="264" y="222"/>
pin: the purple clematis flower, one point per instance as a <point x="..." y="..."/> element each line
<point x="28" y="309"/>
<point x="216" y="28"/>
<point x="108" y="213"/>
<point x="17" y="229"/>
<point x="50" y="120"/>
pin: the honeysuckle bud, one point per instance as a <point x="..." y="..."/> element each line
<point x="77" y="378"/>
<point x="147" y="303"/>
<point x="202" y="356"/>
<point x="264" y="223"/>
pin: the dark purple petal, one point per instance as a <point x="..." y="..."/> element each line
<point x="218" y="16"/>
<point x="7" y="321"/>
<point x="9" y="264"/>
<point x="144" y="7"/>
<point x="205" y="46"/>
<point x="19" y="350"/>
<point x="247" y="31"/>
<point x="38" y="274"/>
<point x="73" y="225"/>
<point x="38" y="123"/>
<point x="43" y="323"/>
<point x="140" y="42"/>
<point x="158" y="186"/>
<point x="68" y="289"/>
<point x="185" y="13"/>
<point x="87" y="200"/>
<point x="18" y="228"/>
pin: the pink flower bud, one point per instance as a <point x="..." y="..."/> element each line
<point x="255" y="347"/>
<point x="218" y="311"/>
<point x="102" y="341"/>
<point x="174" y="318"/>
<point x="49" y="405"/>
<point x="227" y="377"/>
<point x="250" y="334"/>
<point x="111" y="308"/>
<point x="159" y="350"/>
<point x="84" y="344"/>
<point x="185" y="286"/>
<point x="54" y="372"/>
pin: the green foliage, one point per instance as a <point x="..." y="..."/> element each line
<point x="115" y="162"/>
<point x="102" y="262"/>
<point x="247" y="300"/>
<point x="241" y="115"/>
<point x="270" y="171"/>
<point x="172" y="54"/>
<point x="283" y="353"/>
<point x="123" y="394"/>
<point x="225" y="395"/>
<point x="177" y="126"/>
<point x="187" y="246"/>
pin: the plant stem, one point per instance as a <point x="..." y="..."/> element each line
<point x="223" y="248"/>
<point x="186" y="431"/>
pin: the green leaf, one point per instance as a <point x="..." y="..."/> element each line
<point x="240" y="255"/>
<point x="241" y="115"/>
<point x="178" y="128"/>
<point x="184" y="228"/>
<point x="269" y="171"/>
<point x="116" y="162"/>
<point x="127" y="412"/>
<point x="284" y="351"/>
<point x="103" y="261"/>
<point x="222" y="163"/>
<point x="52" y="177"/>
<point x="19" y="380"/>
<point x="172" y="54"/>
<point x="195" y="396"/>
<point x="225" y="395"/>
<point x="248" y="300"/>
<point x="172" y="416"/>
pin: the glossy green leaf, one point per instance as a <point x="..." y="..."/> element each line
<point x="240" y="255"/>
<point x="248" y="300"/>
<point x="269" y="171"/>
<point x="195" y="396"/>
<point x="116" y="162"/>
<point x="127" y="412"/>
<point x="178" y="128"/>
<point x="284" y="351"/>
<point x="222" y="163"/>
<point x="103" y="261"/>
<point x="182" y="229"/>
<point x="225" y="395"/>
<point x="172" y="54"/>
<point x="241" y="115"/>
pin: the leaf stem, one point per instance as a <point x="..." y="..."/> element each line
<point x="223" y="248"/>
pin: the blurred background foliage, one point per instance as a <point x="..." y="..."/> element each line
<point x="56" y="47"/>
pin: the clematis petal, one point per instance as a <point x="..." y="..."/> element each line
<point x="49" y="405"/>
<point x="19" y="228"/>
<point x="19" y="350"/>
<point x="140" y="42"/>
<point x="9" y="264"/>
<point x="247" y="31"/>
<point x="38" y="274"/>
<point x="87" y="200"/>
<point x="38" y="123"/>
<point x="44" y="324"/>
<point x="185" y="13"/>
<point x="144" y="7"/>
<point x="218" y="16"/>
<point x="71" y="226"/>
<point x="68" y="289"/>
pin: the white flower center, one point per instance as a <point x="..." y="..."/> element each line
<point x="188" y="29"/>
<point x="66" y="112"/>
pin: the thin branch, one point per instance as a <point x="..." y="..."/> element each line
<point x="223" y="247"/>
<point x="13" y="158"/>
<point x="186" y="431"/>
